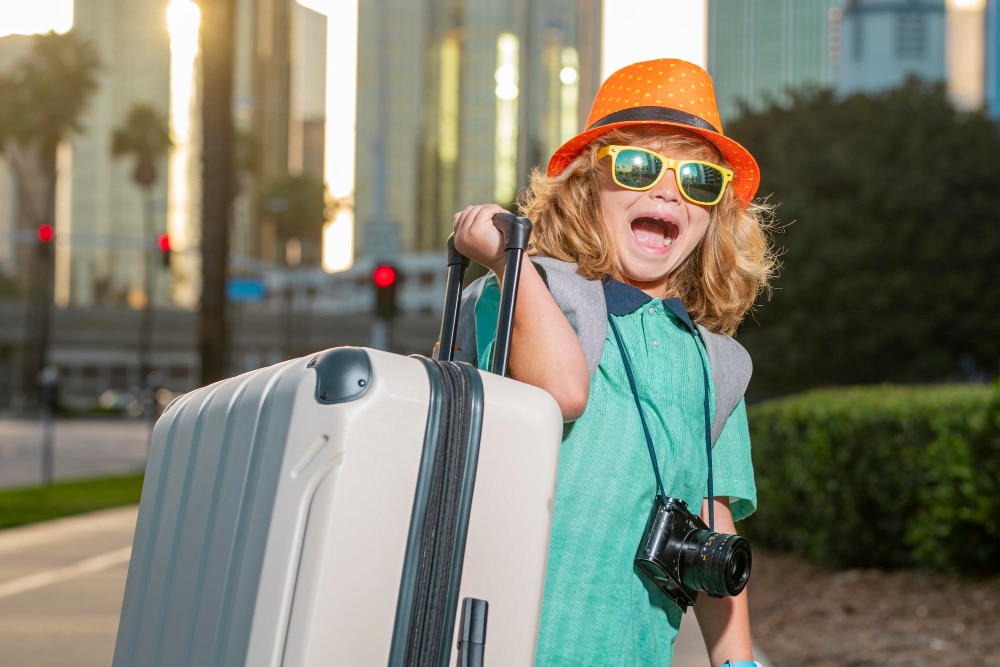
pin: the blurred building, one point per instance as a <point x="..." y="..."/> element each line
<point x="307" y="122"/>
<point x="148" y="51"/>
<point x="758" y="50"/>
<point x="991" y="53"/>
<point x="965" y="53"/>
<point x="882" y="42"/>
<point x="106" y="260"/>
<point x="457" y="101"/>
<point x="280" y="106"/>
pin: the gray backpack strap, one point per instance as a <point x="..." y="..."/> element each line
<point x="582" y="301"/>
<point x="731" y="368"/>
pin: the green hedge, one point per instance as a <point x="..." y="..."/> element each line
<point x="882" y="476"/>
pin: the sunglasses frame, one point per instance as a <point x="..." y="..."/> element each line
<point x="669" y="164"/>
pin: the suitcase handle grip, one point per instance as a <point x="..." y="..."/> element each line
<point x="516" y="232"/>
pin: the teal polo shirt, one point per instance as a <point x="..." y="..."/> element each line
<point x="599" y="609"/>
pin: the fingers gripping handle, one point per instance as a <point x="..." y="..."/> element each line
<point x="516" y="232"/>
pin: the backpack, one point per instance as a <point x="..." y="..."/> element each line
<point x="583" y="303"/>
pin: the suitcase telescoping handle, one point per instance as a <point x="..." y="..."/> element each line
<point x="516" y="232"/>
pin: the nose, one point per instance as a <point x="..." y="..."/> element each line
<point x="666" y="189"/>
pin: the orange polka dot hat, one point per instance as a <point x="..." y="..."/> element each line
<point x="668" y="92"/>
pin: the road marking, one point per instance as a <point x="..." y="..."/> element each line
<point x="86" y="566"/>
<point x="117" y="520"/>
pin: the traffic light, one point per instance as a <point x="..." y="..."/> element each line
<point x="46" y="234"/>
<point x="385" y="278"/>
<point x="163" y="243"/>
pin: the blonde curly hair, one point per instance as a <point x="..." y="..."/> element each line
<point x="720" y="280"/>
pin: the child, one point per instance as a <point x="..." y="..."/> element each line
<point x="647" y="252"/>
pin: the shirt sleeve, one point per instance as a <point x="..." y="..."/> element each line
<point x="732" y="468"/>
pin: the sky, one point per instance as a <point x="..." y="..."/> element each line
<point x="26" y="17"/>
<point x="667" y="29"/>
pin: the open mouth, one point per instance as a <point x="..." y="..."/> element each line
<point x="654" y="233"/>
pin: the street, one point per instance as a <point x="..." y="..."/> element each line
<point x="82" y="449"/>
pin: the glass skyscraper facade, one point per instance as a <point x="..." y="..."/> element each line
<point x="759" y="49"/>
<point x="457" y="100"/>
<point x="885" y="41"/>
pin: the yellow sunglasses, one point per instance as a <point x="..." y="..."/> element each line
<point x="640" y="169"/>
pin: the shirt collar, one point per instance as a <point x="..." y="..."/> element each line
<point x="623" y="299"/>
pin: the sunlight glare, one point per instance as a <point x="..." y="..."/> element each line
<point x="338" y="243"/>
<point x="36" y="16"/>
<point x="183" y="21"/>
<point x="669" y="29"/>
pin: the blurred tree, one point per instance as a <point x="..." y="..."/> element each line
<point x="891" y="270"/>
<point x="246" y="158"/>
<point x="145" y="137"/>
<point x="44" y="96"/>
<point x="216" y="42"/>
<point x="298" y="206"/>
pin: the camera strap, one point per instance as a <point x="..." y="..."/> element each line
<point x="645" y="426"/>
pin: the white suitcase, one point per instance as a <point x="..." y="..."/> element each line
<point x="300" y="515"/>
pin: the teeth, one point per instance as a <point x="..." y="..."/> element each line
<point x="667" y="241"/>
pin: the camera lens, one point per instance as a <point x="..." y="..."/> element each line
<point x="716" y="563"/>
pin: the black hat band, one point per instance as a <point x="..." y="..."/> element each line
<point x="661" y="114"/>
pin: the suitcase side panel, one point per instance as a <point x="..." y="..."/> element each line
<point x="334" y="558"/>
<point x="511" y="519"/>
<point x="196" y="538"/>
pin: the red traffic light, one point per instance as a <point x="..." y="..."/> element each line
<point x="384" y="276"/>
<point x="163" y="242"/>
<point x="45" y="233"/>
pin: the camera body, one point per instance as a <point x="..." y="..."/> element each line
<point x="682" y="556"/>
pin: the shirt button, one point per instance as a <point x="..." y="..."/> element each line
<point x="651" y="311"/>
<point x="656" y="343"/>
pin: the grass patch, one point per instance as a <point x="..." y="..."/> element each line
<point x="19" y="507"/>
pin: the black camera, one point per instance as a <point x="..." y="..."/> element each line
<point x="682" y="556"/>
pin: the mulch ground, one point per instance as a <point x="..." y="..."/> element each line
<point x="808" y="614"/>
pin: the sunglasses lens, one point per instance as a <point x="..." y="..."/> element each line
<point x="701" y="182"/>
<point x="636" y="170"/>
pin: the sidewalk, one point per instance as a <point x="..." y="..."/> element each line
<point x="61" y="588"/>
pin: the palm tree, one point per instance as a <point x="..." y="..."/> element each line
<point x="45" y="95"/>
<point x="145" y="137"/>
<point x="54" y="81"/>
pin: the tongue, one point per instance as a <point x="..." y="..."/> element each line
<point x="648" y="233"/>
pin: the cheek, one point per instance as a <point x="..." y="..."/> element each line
<point x="613" y="209"/>
<point x="698" y="221"/>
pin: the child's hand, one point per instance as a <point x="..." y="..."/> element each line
<point x="478" y="239"/>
